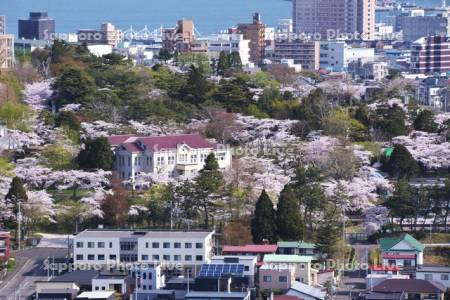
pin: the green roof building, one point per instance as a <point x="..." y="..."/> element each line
<point x="403" y="251"/>
<point x="297" y="248"/>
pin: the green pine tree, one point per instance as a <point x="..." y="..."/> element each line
<point x="289" y="221"/>
<point x="16" y="194"/>
<point x="263" y="221"/>
<point x="401" y="164"/>
<point x="328" y="233"/>
<point x="97" y="154"/>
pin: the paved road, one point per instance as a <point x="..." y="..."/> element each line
<point x="353" y="281"/>
<point x="19" y="285"/>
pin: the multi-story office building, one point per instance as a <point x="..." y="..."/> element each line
<point x="167" y="248"/>
<point x="336" y="55"/>
<point x="6" y="51"/>
<point x="327" y="19"/>
<point x="230" y="43"/>
<point x="255" y="32"/>
<point x="37" y="27"/>
<point x="304" y="52"/>
<point x="415" y="27"/>
<point x="181" y="38"/>
<point x="166" y="155"/>
<point x="107" y="35"/>
<point x="430" y="55"/>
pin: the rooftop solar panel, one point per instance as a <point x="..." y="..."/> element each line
<point x="219" y="270"/>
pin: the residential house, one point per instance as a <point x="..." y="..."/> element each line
<point x="435" y="273"/>
<point x="434" y="93"/>
<point x="305" y="292"/>
<point x="112" y="281"/>
<point x="249" y="263"/>
<point x="250" y="250"/>
<point x="297" y="248"/>
<point x="166" y="155"/>
<point x="221" y="277"/>
<point x="276" y="279"/>
<point x="5" y="246"/>
<point x="150" y="277"/>
<point x="169" y="248"/>
<point x="404" y="251"/>
<point x="400" y="289"/>
<point x="81" y="278"/>
<point x="301" y="264"/>
<point x="375" y="279"/>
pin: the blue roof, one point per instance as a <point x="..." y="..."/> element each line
<point x="221" y="270"/>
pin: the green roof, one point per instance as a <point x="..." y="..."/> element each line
<point x="388" y="151"/>
<point x="287" y="258"/>
<point x="387" y="243"/>
<point x="296" y="244"/>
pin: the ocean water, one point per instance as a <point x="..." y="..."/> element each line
<point x="210" y="16"/>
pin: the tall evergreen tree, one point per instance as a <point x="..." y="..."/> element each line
<point x="402" y="204"/>
<point x="16" y="194"/>
<point x="425" y="122"/>
<point x="401" y="164"/>
<point x="289" y="221"/>
<point x="327" y="235"/>
<point x="97" y="154"/>
<point x="263" y="221"/>
<point x="223" y="66"/>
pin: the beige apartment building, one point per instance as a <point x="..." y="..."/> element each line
<point x="6" y="51"/>
<point x="303" y="52"/>
<point x="328" y="19"/>
<point x="255" y="32"/>
<point x="107" y="35"/>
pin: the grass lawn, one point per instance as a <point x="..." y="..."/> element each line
<point x="436" y="238"/>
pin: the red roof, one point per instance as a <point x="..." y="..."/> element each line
<point x="132" y="147"/>
<point x="250" y="249"/>
<point x="399" y="256"/>
<point x="115" y="140"/>
<point x="195" y="141"/>
<point x="384" y="268"/>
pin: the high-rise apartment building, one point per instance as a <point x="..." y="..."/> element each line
<point x="415" y="27"/>
<point x="328" y="19"/>
<point x="181" y="38"/>
<point x="6" y="51"/>
<point x="255" y="32"/>
<point x="108" y="35"/>
<point x="431" y="55"/>
<point x="38" y="27"/>
<point x="303" y="52"/>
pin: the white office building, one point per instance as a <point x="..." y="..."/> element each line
<point x="336" y="55"/>
<point x="230" y="43"/>
<point x="165" y="155"/>
<point x="167" y="248"/>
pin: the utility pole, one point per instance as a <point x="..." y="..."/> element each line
<point x="19" y="219"/>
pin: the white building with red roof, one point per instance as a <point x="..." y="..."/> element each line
<point x="172" y="155"/>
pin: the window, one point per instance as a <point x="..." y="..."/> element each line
<point x="146" y="245"/>
<point x="267" y="278"/>
<point x="100" y="245"/>
<point x="128" y="257"/>
<point x="246" y="268"/>
<point x="112" y="257"/>
<point x="144" y="257"/>
<point x="79" y="244"/>
<point x="166" y="245"/>
<point x="110" y="244"/>
<point x="155" y="257"/>
<point x="166" y="257"/>
<point x="177" y="257"/>
<point x="91" y="257"/>
<point x="101" y="257"/>
<point x="91" y="244"/>
<point x="199" y="257"/>
<point x="199" y="245"/>
<point x="282" y="278"/>
<point x="444" y="277"/>
<point x="177" y="245"/>
<point x="80" y="257"/>
<point x="187" y="245"/>
<point x="155" y="245"/>
<point x="188" y="257"/>
<point x="128" y="245"/>
<point x="428" y="276"/>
